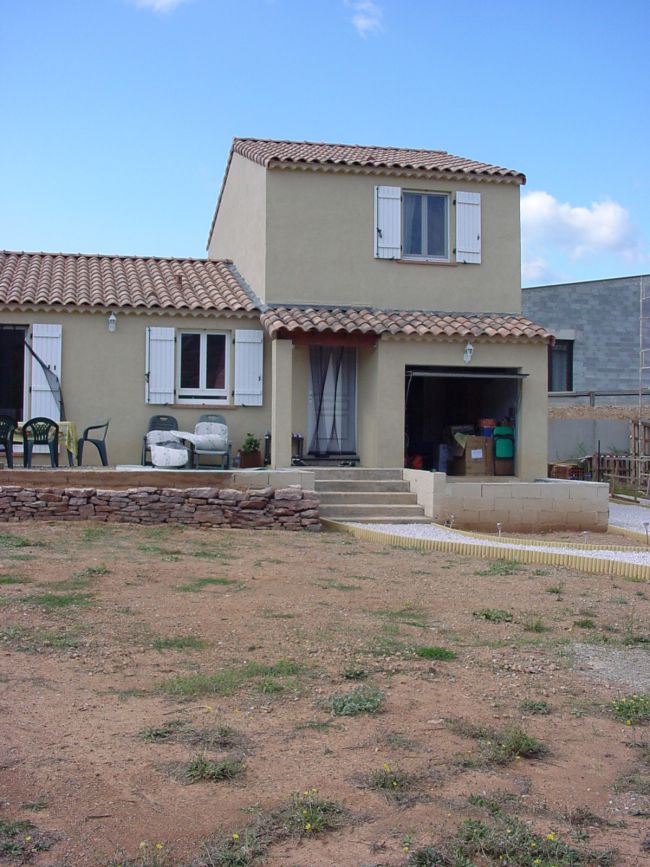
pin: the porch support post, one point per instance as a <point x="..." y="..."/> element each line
<point x="281" y="402"/>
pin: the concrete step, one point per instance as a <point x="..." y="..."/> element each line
<point x="356" y="473"/>
<point x="363" y="512"/>
<point x="362" y="485"/>
<point x="367" y="497"/>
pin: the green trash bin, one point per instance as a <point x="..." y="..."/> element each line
<point x="504" y="441"/>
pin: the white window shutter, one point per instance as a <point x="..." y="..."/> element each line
<point x="468" y="228"/>
<point x="46" y="343"/>
<point x="388" y="222"/>
<point x="159" y="366"/>
<point x="249" y="367"/>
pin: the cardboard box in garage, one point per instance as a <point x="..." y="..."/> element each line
<point x="477" y="459"/>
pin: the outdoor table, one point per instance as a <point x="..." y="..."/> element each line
<point x="67" y="437"/>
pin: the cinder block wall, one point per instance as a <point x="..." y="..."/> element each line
<point x="520" y="507"/>
<point x="602" y="318"/>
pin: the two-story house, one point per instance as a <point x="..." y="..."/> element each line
<point x="374" y="302"/>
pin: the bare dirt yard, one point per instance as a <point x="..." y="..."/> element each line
<point x="173" y="696"/>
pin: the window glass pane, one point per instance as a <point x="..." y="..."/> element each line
<point x="560" y="366"/>
<point x="436" y="226"/>
<point x="190" y="360"/>
<point x="215" y="376"/>
<point x="412" y="224"/>
<point x="12" y="363"/>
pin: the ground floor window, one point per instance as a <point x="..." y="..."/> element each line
<point x="12" y="370"/>
<point x="203" y="365"/>
<point x="560" y="366"/>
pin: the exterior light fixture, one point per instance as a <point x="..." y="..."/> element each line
<point x="112" y="323"/>
<point x="469" y="351"/>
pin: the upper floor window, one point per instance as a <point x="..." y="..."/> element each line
<point x="560" y="366"/>
<point x="425" y="221"/>
<point x="412" y="225"/>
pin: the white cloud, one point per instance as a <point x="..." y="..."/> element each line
<point x="366" y="16"/>
<point x="536" y="271"/>
<point x="159" y="5"/>
<point x="603" y="227"/>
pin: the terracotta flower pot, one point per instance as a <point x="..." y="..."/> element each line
<point x="250" y="459"/>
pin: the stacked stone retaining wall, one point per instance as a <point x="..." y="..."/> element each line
<point x="267" y="508"/>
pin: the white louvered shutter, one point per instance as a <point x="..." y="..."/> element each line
<point x="249" y="367"/>
<point x="159" y="365"/>
<point x="468" y="228"/>
<point x="46" y="343"/>
<point x="388" y="222"/>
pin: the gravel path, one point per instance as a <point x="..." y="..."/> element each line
<point x="432" y="531"/>
<point x="629" y="516"/>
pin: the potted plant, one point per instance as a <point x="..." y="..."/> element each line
<point x="249" y="453"/>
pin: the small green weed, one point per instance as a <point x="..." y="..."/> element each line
<point x="165" y="732"/>
<point x="269" y="614"/>
<point x="409" y="615"/>
<point x="637" y="783"/>
<point x="201" y="583"/>
<point x="556" y="589"/>
<point x="229" y="680"/>
<point x="501" y="567"/>
<point x="307" y="814"/>
<point x="439" y="653"/>
<point x="632" y="709"/>
<point x="532" y="706"/>
<point x="8" y="540"/>
<point x="585" y="623"/>
<point x="202" y="768"/>
<point x="36" y="806"/>
<point x="494" y="615"/>
<point x="500" y="747"/>
<point x="21" y="840"/>
<point x="179" y="642"/>
<point x="13" y="579"/>
<point x="54" y="601"/>
<point x="391" y="781"/>
<point x="363" y="699"/>
<point x="494" y="803"/>
<point x="536" y="624"/>
<point x="355" y="674"/>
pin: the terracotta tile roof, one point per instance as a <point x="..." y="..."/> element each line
<point x="417" y="323"/>
<point x="122" y="281"/>
<point x="267" y="152"/>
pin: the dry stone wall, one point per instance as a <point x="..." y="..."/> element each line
<point x="267" y="508"/>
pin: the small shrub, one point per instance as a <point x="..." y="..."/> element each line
<point x="20" y="840"/>
<point x="363" y="699"/>
<point x="307" y="814"/>
<point x="632" y="708"/>
<point x="355" y="674"/>
<point x="536" y="624"/>
<point x="439" y="653"/>
<point x="494" y="615"/>
<point x="202" y="768"/>
<point x="164" y="732"/>
<point x="501" y="748"/>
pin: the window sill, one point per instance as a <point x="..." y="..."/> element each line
<point x="201" y="404"/>
<point x="444" y="262"/>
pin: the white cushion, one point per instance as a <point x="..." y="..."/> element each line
<point x="156" y="437"/>
<point x="169" y="455"/>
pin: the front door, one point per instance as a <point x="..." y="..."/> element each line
<point x="332" y="425"/>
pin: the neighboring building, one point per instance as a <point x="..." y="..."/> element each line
<point x="597" y="327"/>
<point x="380" y="303"/>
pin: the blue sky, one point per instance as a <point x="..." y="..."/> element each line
<point x="118" y="114"/>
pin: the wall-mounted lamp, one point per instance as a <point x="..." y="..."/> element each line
<point x="112" y="323"/>
<point x="469" y="351"/>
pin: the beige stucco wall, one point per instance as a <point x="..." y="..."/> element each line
<point x="381" y="396"/>
<point x="240" y="229"/>
<point x="102" y="375"/>
<point x="320" y="246"/>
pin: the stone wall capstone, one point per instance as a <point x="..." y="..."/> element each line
<point x="267" y="508"/>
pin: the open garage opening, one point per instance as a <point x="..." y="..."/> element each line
<point x="446" y="405"/>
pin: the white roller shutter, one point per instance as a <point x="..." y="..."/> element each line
<point x="159" y="365"/>
<point x="388" y="222"/>
<point x="249" y="367"/>
<point x="46" y="343"/>
<point x="468" y="228"/>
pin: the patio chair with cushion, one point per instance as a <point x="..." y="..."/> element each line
<point x="40" y="431"/>
<point x="98" y="441"/>
<point x="158" y="424"/>
<point x="211" y="438"/>
<point x="7" y="428"/>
